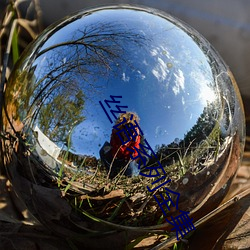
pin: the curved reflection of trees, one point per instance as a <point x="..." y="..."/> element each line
<point x="18" y="93"/>
<point x="56" y="117"/>
<point x="91" y="53"/>
<point x="105" y="39"/>
<point x="66" y="72"/>
<point x="199" y="144"/>
<point x="203" y="127"/>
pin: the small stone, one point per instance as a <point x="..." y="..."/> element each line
<point x="185" y="181"/>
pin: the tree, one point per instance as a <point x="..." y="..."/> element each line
<point x="58" y="117"/>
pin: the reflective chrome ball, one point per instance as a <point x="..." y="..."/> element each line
<point x="65" y="108"/>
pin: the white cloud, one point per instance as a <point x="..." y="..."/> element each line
<point x="179" y="82"/>
<point x="154" y="52"/>
<point x="142" y="76"/>
<point x="125" y="78"/>
<point x="206" y="93"/>
<point x="183" y="100"/>
<point x="161" y="70"/>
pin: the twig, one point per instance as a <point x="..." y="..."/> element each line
<point x="111" y="164"/>
<point x="38" y="15"/>
<point x="140" y="210"/>
<point x="203" y="220"/>
<point x="5" y="64"/>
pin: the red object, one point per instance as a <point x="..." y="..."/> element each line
<point x="123" y="153"/>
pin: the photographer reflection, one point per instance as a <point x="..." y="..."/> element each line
<point x="116" y="155"/>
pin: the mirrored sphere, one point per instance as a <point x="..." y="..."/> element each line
<point x="63" y="103"/>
